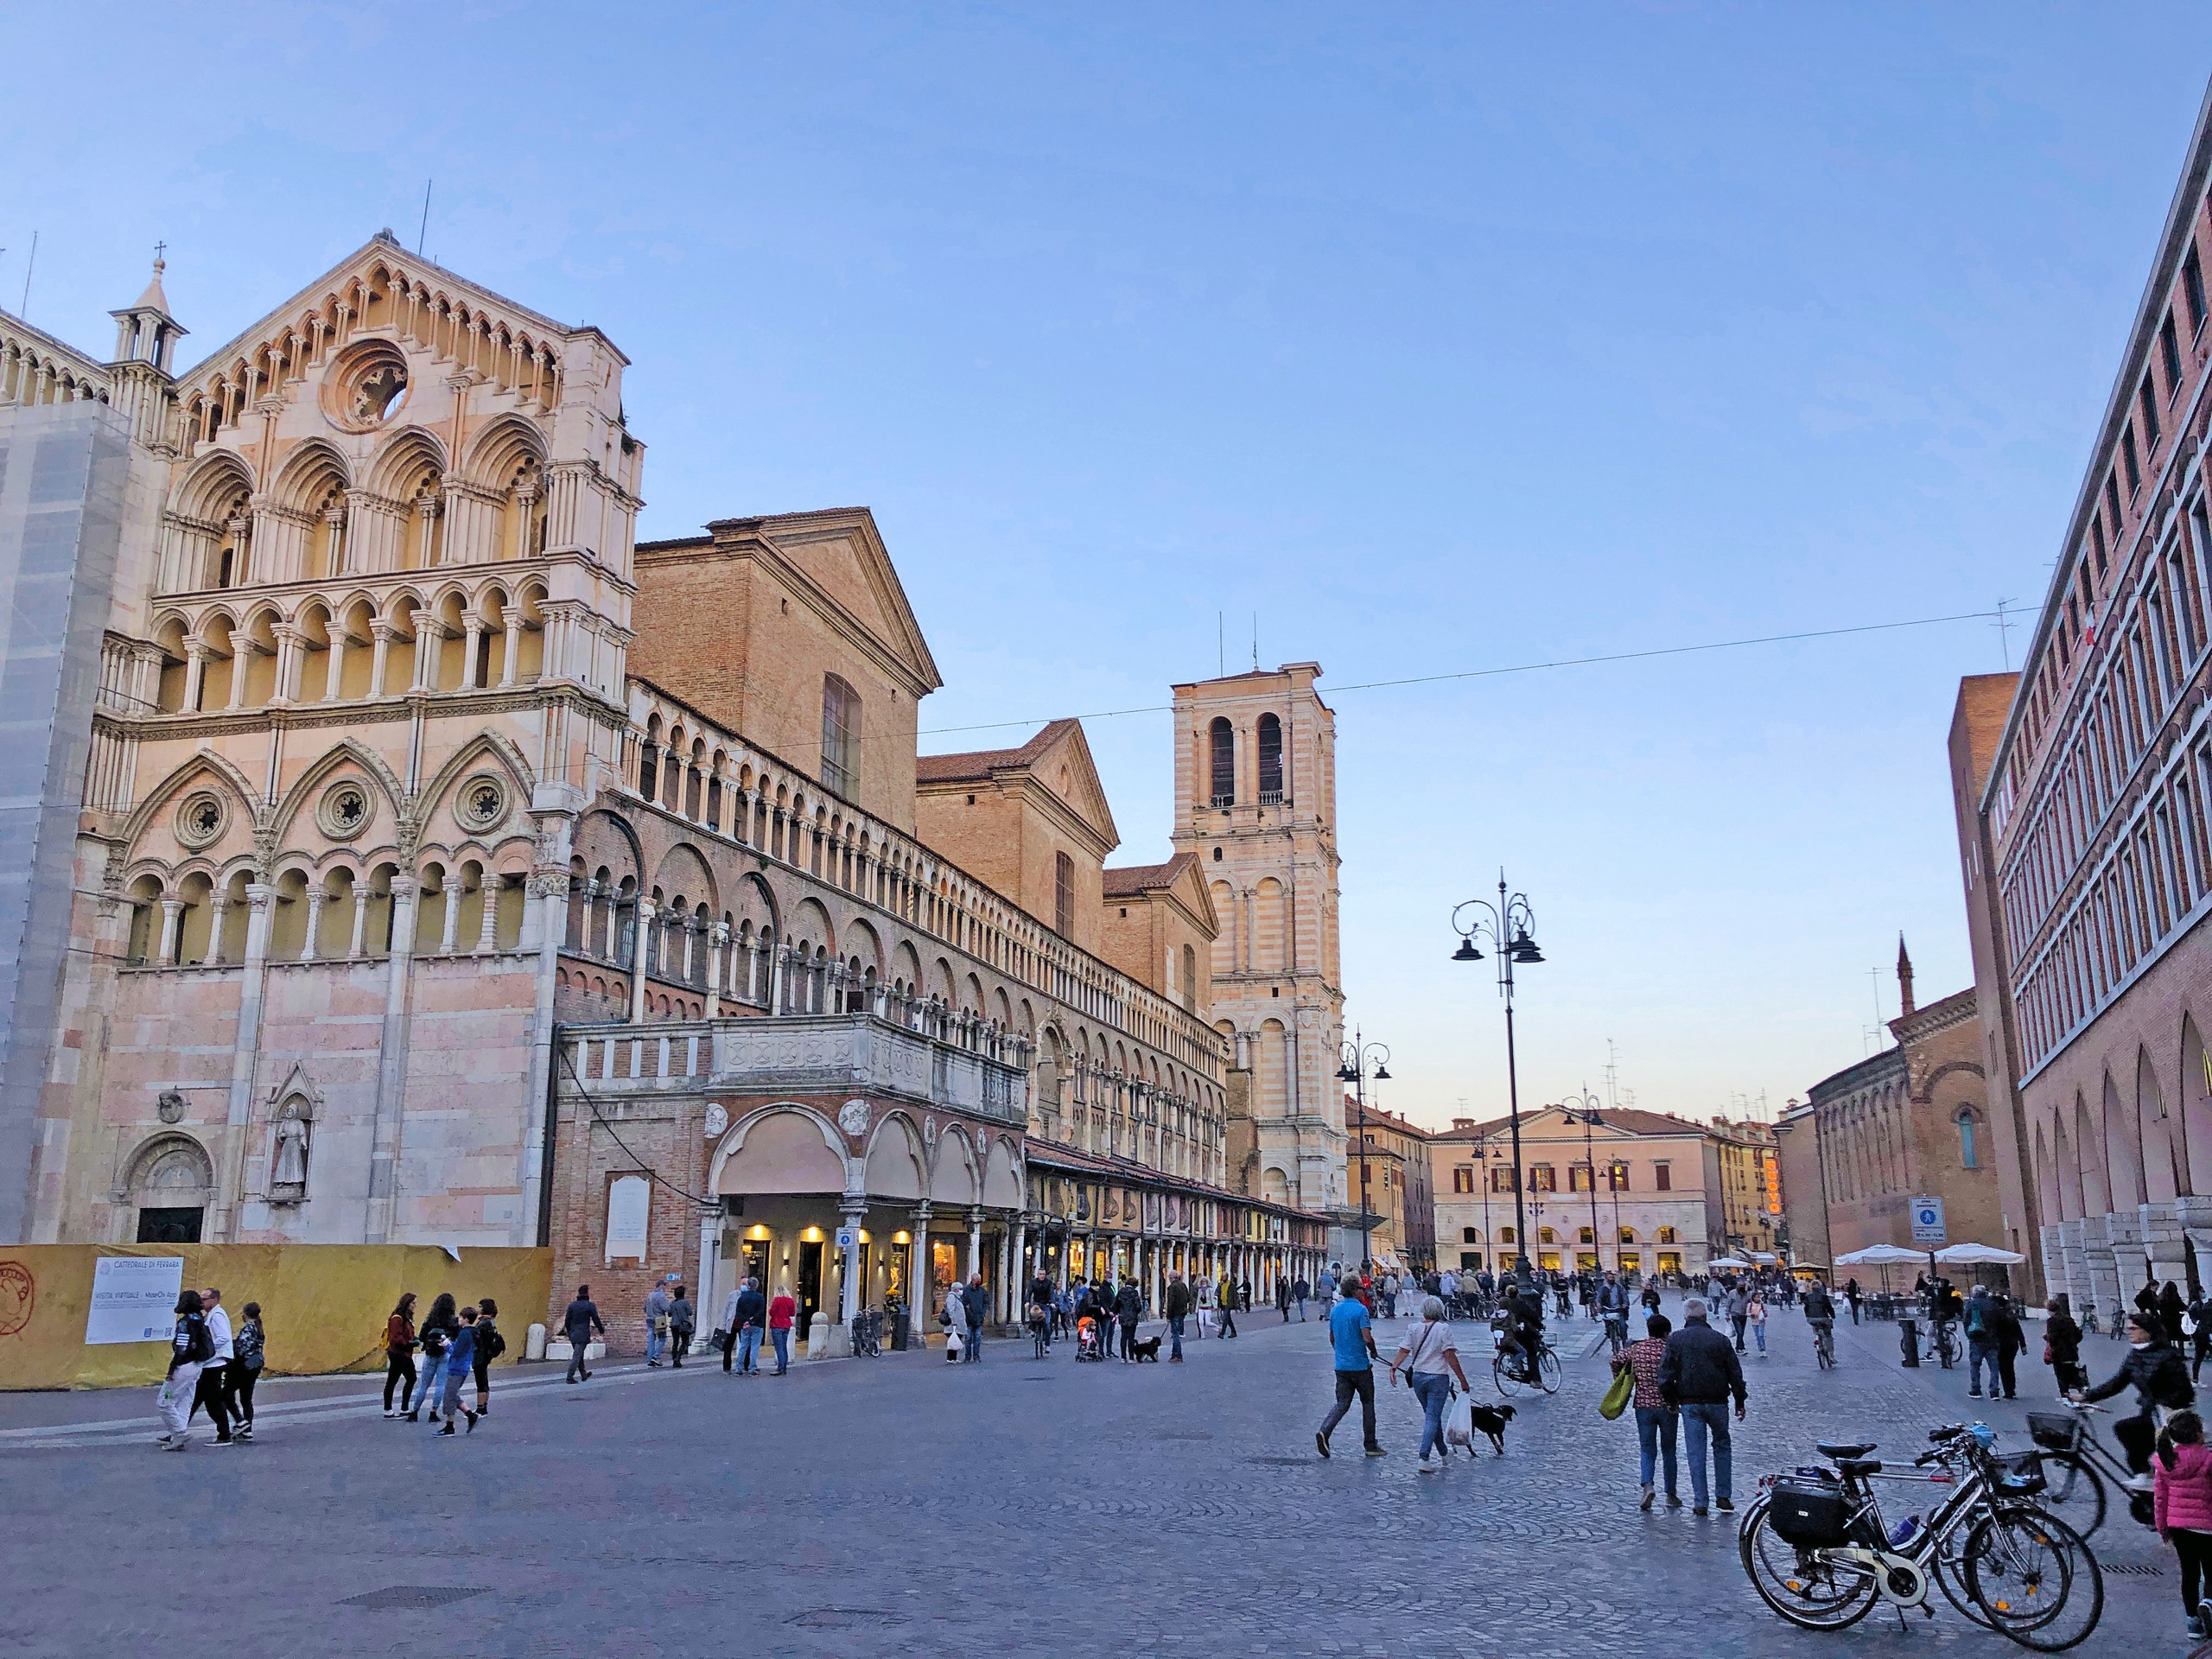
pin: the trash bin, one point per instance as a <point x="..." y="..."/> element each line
<point x="1908" y="1341"/>
<point x="896" y="1317"/>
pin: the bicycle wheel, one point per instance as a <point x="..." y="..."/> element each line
<point x="1803" y="1585"/>
<point x="2036" y="1578"/>
<point x="2074" y="1492"/>
<point x="1548" y="1372"/>
<point x="1502" y="1374"/>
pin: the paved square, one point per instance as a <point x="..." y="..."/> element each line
<point x="907" y="1507"/>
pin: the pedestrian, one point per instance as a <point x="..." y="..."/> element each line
<point x="1431" y="1359"/>
<point x="744" y="1315"/>
<point x="249" y="1353"/>
<point x="190" y="1348"/>
<point x="1228" y="1302"/>
<point x="1128" y="1308"/>
<point x="979" y="1315"/>
<point x="1041" y="1296"/>
<point x="1851" y="1295"/>
<point x="490" y="1345"/>
<point x="783" y="1313"/>
<point x="460" y="1360"/>
<point x="399" y="1353"/>
<point x="1981" y="1342"/>
<point x="577" y="1324"/>
<point x="1325" y="1290"/>
<point x="1738" y="1305"/>
<point x="1755" y="1317"/>
<point x="2160" y="1377"/>
<point x="438" y="1327"/>
<point x="656" y="1324"/>
<point x="2172" y="1305"/>
<point x="1656" y="1419"/>
<point x="214" y="1389"/>
<point x="1352" y="1338"/>
<point x="1301" y="1292"/>
<point x="683" y="1320"/>
<point x="2182" y="1509"/>
<point x="2196" y="1321"/>
<point x="2062" y="1346"/>
<point x="1177" y="1308"/>
<point x="2005" y="1329"/>
<point x="1650" y="1300"/>
<point x="1697" y="1375"/>
<point x="1282" y="1298"/>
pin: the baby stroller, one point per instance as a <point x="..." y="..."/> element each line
<point x="1087" y="1343"/>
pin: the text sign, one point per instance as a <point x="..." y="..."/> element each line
<point x="1927" y="1222"/>
<point x="134" y="1299"/>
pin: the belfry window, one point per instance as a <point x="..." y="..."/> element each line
<point x="1270" y="760"/>
<point x="1969" y="1154"/>
<point x="1063" y="894"/>
<point x="841" y="737"/>
<point x="1222" y="743"/>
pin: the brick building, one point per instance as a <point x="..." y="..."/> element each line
<point x="1745" y="1215"/>
<point x="2084" y="847"/>
<point x="1389" y="1173"/>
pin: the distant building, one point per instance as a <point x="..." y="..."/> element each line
<point x="1911" y="1121"/>
<point x="1746" y="1214"/>
<point x="1805" y="1204"/>
<point x="1389" y="1171"/>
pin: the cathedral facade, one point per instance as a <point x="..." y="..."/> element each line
<point x="438" y="864"/>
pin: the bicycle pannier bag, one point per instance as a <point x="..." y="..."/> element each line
<point x="1810" y="1514"/>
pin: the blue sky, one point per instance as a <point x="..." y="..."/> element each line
<point x="1438" y="338"/>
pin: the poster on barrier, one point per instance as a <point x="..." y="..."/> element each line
<point x="134" y="1299"/>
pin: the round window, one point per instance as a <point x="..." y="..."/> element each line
<point x="483" y="802"/>
<point x="343" y="812"/>
<point x="368" y="386"/>
<point x="200" y="819"/>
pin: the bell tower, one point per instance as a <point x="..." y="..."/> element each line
<point x="1256" y="803"/>
<point x="145" y="347"/>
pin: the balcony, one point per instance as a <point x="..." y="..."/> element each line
<point x="821" y="1053"/>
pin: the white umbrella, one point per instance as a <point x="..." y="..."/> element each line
<point x="1878" y="1254"/>
<point x="1728" y="1261"/>
<point x="1968" y="1255"/>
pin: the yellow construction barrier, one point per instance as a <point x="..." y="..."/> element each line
<point x="323" y="1306"/>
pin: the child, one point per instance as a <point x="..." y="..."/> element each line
<point x="1755" y="1316"/>
<point x="460" y="1360"/>
<point x="2182" y="1508"/>
<point x="249" y="1354"/>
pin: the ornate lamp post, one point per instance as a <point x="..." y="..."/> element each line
<point x="1583" y="1109"/>
<point x="1506" y="924"/>
<point x="1354" y="1070"/>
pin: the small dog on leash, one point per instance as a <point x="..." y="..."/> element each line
<point x="1491" y="1421"/>
<point x="1147" y="1349"/>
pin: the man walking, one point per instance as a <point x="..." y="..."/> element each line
<point x="577" y="1324"/>
<point x="1227" y="1305"/>
<point x="1178" y="1309"/>
<point x="1740" y="1311"/>
<point x="979" y="1309"/>
<point x="1352" y="1334"/>
<point x="1128" y="1308"/>
<point x="656" y="1324"/>
<point x="1697" y="1375"/>
<point x="744" y="1317"/>
<point x="1982" y="1342"/>
<point x="214" y="1391"/>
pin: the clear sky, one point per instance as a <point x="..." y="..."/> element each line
<point x="1438" y="338"/>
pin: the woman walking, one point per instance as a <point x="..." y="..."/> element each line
<point x="783" y="1313"/>
<point x="2062" y="1346"/>
<point x="1655" y="1421"/>
<point x="190" y="1347"/>
<point x="400" y="1354"/>
<point x="1755" y="1317"/>
<point x="438" y="1327"/>
<point x="490" y="1345"/>
<point x="1431" y="1359"/>
<point x="249" y="1352"/>
<point x="460" y="1359"/>
<point x="682" y="1322"/>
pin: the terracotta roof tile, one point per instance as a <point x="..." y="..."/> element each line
<point x="979" y="764"/>
<point x="1131" y="879"/>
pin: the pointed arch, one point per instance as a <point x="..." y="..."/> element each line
<point x="346" y="751"/>
<point x="405" y="455"/>
<point x="2163" y="1178"/>
<point x="472" y="755"/>
<point x="162" y="797"/>
<point x="503" y="445"/>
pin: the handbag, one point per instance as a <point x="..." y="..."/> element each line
<point x="1618" y="1396"/>
<point x="2046" y="1352"/>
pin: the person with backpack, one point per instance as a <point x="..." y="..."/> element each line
<point x="656" y="1324"/>
<point x="460" y="1359"/>
<point x="1982" y="1342"/>
<point x="190" y="1348"/>
<point x="399" y="1353"/>
<point x="682" y="1321"/>
<point x="490" y="1345"/>
<point x="438" y="1327"/>
<point x="249" y="1352"/>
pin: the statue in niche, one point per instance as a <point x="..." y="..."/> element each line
<point x="288" y="1157"/>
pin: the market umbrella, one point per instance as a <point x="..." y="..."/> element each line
<point x="1878" y="1256"/>
<point x="1728" y="1261"/>
<point x="1969" y="1255"/>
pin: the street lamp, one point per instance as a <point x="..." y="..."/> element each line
<point x="1583" y="1109"/>
<point x="1354" y="1072"/>
<point x="1506" y="924"/>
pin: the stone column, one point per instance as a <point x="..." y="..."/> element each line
<point x="2163" y="1241"/>
<point x="195" y="672"/>
<point x="289" y="640"/>
<point x="246" y="1054"/>
<point x="454" y="889"/>
<point x="638" y="963"/>
<point x="706" y="1292"/>
<point x="381" y="633"/>
<point x="472" y="625"/>
<point x="920" y="1291"/>
<point x="172" y="929"/>
<point x="975" y="1243"/>
<point x="2125" y="1229"/>
<point x="850" y="1213"/>
<point x="219" y="907"/>
<point x="715" y="955"/>
<point x="2098" y="1265"/>
<point x="512" y="620"/>
<point x="2074" y="1263"/>
<point x="2054" y="1263"/>
<point x="486" y="934"/>
<point x="2195" y="1216"/>
<point x="315" y="897"/>
<point x="357" y="947"/>
<point x="392" y="1068"/>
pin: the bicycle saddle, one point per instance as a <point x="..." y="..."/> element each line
<point x="1838" y="1450"/>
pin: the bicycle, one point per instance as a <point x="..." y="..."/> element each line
<point x="1824" y="1344"/>
<point x="868" y="1335"/>
<point x="1826" y="1557"/>
<point x="1943" y="1343"/>
<point x="1509" y="1371"/>
<point x="2082" y="1466"/>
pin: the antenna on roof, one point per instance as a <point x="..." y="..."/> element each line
<point x="24" y="309"/>
<point x="423" y="235"/>
<point x="1255" y="642"/>
<point x="1220" y="630"/>
<point x="2004" y="626"/>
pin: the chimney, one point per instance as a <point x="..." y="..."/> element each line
<point x="1904" y="981"/>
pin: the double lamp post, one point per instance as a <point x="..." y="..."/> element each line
<point x="1506" y="924"/>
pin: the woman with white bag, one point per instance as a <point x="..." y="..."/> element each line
<point x="954" y="1319"/>
<point x="1430" y="1360"/>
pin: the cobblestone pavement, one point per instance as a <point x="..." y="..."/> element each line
<point x="907" y="1507"/>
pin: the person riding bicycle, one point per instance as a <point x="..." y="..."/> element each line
<point x="1522" y="1337"/>
<point x="1820" y="1313"/>
<point x="2160" y="1376"/>
<point x="1612" y="1307"/>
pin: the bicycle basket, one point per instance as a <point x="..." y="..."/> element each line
<point x="2017" y="1474"/>
<point x="2054" y="1430"/>
<point x="1810" y="1514"/>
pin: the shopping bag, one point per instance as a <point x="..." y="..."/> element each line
<point x="1459" y="1422"/>
<point x="1618" y="1395"/>
<point x="953" y="1345"/>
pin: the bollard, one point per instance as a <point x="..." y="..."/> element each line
<point x="1909" y="1340"/>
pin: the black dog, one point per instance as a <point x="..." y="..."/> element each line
<point x="1145" y="1350"/>
<point x="1490" y="1420"/>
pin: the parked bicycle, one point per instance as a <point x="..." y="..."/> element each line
<point x="1820" y="1552"/>
<point x="868" y="1335"/>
